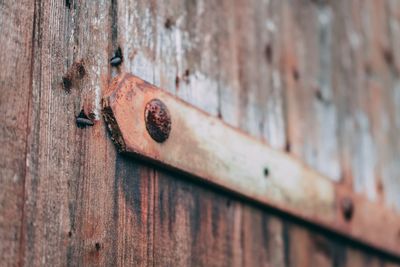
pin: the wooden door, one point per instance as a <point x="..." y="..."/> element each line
<point x="317" y="79"/>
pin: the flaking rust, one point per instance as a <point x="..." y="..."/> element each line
<point x="112" y="127"/>
<point x="109" y="118"/>
<point x="158" y="120"/>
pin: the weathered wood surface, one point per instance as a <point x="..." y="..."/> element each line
<point x="15" y="84"/>
<point x="317" y="78"/>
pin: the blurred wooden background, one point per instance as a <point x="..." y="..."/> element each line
<point x="319" y="79"/>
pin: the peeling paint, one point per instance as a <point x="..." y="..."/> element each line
<point x="355" y="40"/>
<point x="364" y="160"/>
<point x="142" y="66"/>
<point x="396" y="100"/>
<point x="274" y="116"/>
<point x="201" y="91"/>
<point x="270" y="26"/>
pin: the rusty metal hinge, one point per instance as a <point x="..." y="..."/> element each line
<point x="152" y="124"/>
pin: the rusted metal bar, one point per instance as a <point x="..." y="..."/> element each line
<point x="150" y="123"/>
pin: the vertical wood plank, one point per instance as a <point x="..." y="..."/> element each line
<point x="68" y="214"/>
<point x="311" y="115"/>
<point x="192" y="226"/>
<point x="384" y="111"/>
<point x="16" y="27"/>
<point x="195" y="226"/>
<point x="133" y="234"/>
<point x="260" y="112"/>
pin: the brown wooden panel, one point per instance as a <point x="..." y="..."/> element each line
<point x="132" y="231"/>
<point x="79" y="193"/>
<point x="194" y="227"/>
<point x="70" y="171"/>
<point x="16" y="27"/>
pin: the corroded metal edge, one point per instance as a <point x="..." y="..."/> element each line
<point x="113" y="129"/>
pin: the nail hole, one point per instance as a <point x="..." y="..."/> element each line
<point x="268" y="53"/>
<point x="80" y="68"/>
<point x="367" y="69"/>
<point x="266" y="172"/>
<point x="318" y="95"/>
<point x="388" y="56"/>
<point x="380" y="187"/>
<point x="97" y="246"/>
<point x="296" y="74"/>
<point x="67" y="83"/>
<point x="69" y="234"/>
<point x="347" y="208"/>
<point x="177" y="82"/>
<point x="168" y="23"/>
<point x="186" y="75"/>
<point x="288" y="146"/>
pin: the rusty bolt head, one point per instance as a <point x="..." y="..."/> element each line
<point x="158" y="120"/>
<point x="347" y="208"/>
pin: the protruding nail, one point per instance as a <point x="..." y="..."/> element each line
<point x="347" y="208"/>
<point x="82" y="120"/>
<point x="115" y="61"/>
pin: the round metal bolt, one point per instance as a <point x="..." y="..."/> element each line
<point x="347" y="208"/>
<point x="158" y="120"/>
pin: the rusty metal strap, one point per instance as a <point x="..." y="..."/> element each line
<point x="150" y="123"/>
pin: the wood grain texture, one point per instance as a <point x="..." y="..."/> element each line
<point x="79" y="193"/>
<point x="16" y="28"/>
<point x="70" y="171"/>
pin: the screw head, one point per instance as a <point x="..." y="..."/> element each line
<point x="347" y="208"/>
<point x="158" y="120"/>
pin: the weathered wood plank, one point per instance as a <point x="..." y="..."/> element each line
<point x="68" y="215"/>
<point x="133" y="25"/>
<point x="364" y="62"/>
<point x="16" y="27"/>
<point x="211" y="235"/>
<point x="304" y="32"/>
<point x="133" y="234"/>
<point x="172" y="49"/>
<point x="88" y="206"/>
<point x="307" y="73"/>
<point x="195" y="227"/>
